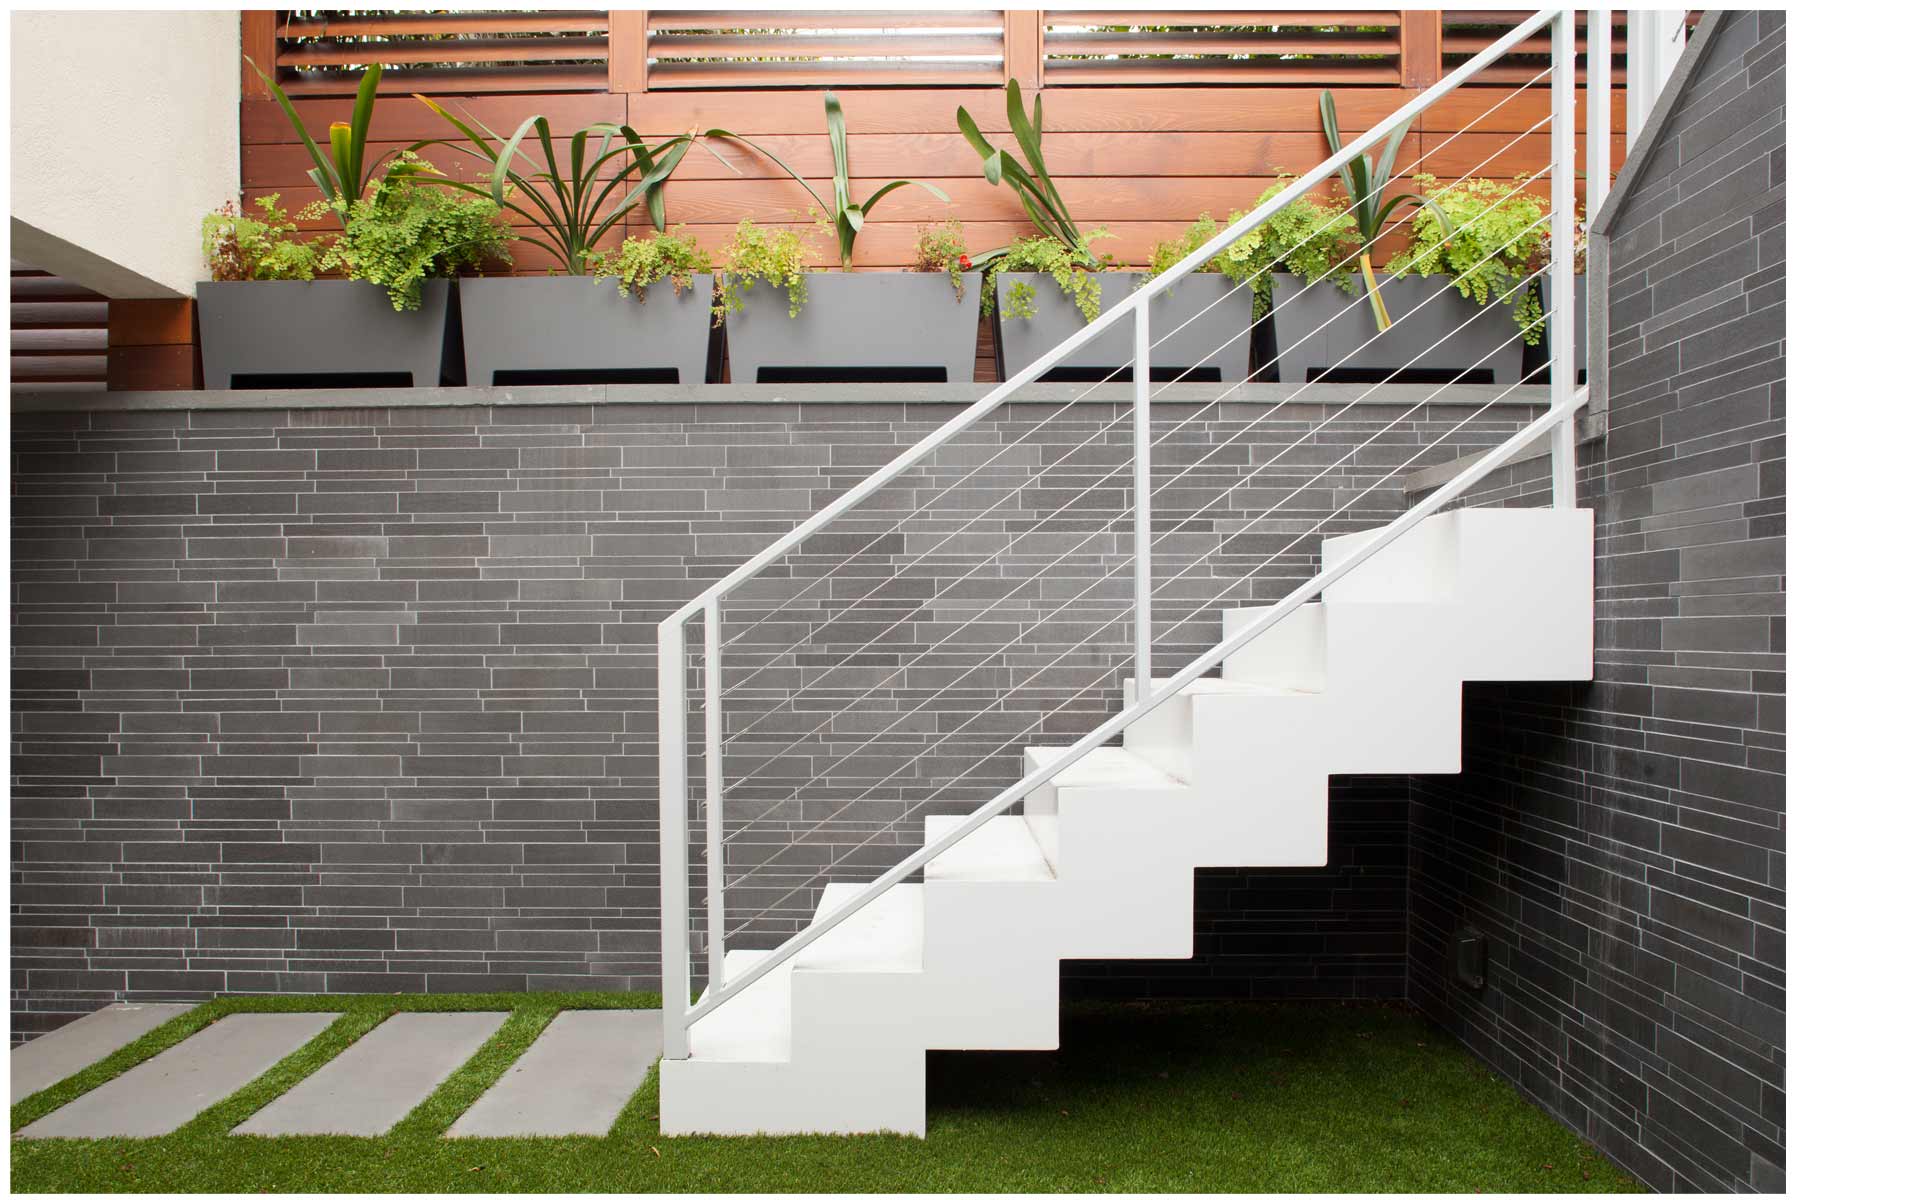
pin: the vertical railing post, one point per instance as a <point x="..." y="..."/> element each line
<point x="1142" y="505"/>
<point x="716" y="817"/>
<point x="1562" y="371"/>
<point x="674" y="982"/>
<point x="1599" y="144"/>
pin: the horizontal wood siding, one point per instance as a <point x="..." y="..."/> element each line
<point x="1141" y="150"/>
<point x="57" y="334"/>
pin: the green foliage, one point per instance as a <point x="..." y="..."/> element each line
<point x="1486" y="235"/>
<point x="1031" y="183"/>
<point x="641" y="262"/>
<point x="341" y="171"/>
<point x="402" y="234"/>
<point x="1311" y="238"/>
<point x="1069" y="266"/>
<point x="845" y="214"/>
<point x="568" y="208"/>
<point x="242" y="246"/>
<point x="943" y="247"/>
<point x="1366" y="184"/>
<point x="755" y="254"/>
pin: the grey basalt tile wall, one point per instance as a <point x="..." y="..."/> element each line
<point x="362" y="698"/>
<point x="1622" y="844"/>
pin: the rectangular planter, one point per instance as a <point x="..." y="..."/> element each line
<point x="1217" y="334"/>
<point x="284" y="329"/>
<point x="583" y="330"/>
<point x="1537" y="357"/>
<point x="858" y="326"/>
<point x="1320" y="328"/>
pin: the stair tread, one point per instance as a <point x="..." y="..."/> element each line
<point x="886" y="935"/>
<point x="1107" y="766"/>
<point x="754" y="1026"/>
<point x="1002" y="850"/>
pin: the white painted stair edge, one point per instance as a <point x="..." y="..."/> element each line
<point x="1232" y="772"/>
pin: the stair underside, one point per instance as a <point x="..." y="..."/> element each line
<point x="1099" y="862"/>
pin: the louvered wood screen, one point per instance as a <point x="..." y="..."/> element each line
<point x="317" y="52"/>
<point x="721" y="48"/>
<point x="1221" y="46"/>
<point x="1466" y="32"/>
<point x="323" y="52"/>
<point x="58" y="334"/>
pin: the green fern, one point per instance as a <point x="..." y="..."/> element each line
<point x="403" y="234"/>
<point x="642" y="262"/>
<point x="1490" y="236"/>
<point x="1048" y="255"/>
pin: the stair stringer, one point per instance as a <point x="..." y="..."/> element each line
<point x="1100" y="862"/>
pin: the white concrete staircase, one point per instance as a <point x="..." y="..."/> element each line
<point x="1232" y="772"/>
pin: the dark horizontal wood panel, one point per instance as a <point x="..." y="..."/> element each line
<point x="59" y="315"/>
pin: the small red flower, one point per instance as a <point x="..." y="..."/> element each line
<point x="966" y="264"/>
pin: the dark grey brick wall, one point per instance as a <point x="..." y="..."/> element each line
<point x="1622" y="843"/>
<point x="362" y="698"/>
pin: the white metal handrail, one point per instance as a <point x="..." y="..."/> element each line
<point x="1557" y="422"/>
<point x="925" y="505"/>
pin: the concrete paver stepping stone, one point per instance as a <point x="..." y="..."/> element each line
<point x="171" y="1088"/>
<point x="53" y="1056"/>
<point x="575" y="1078"/>
<point x="371" y="1084"/>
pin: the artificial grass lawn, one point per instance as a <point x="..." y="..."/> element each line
<point x="1148" y="1096"/>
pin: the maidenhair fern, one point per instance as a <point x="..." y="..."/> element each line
<point x="1488" y="241"/>
<point x="403" y="234"/>
<point x="642" y="262"/>
<point x="1047" y="255"/>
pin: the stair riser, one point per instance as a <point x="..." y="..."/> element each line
<point x="859" y="1093"/>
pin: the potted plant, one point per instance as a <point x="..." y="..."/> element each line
<point x="560" y="326"/>
<point x="1041" y="289"/>
<point x="1479" y="239"/>
<point x="1536" y="356"/>
<point x="1312" y="244"/>
<point x="267" y="320"/>
<point x="1413" y="323"/>
<point x="845" y="325"/>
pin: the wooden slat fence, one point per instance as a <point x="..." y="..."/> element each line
<point x="1190" y="113"/>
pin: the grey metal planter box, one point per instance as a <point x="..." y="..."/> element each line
<point x="1538" y="357"/>
<point x="900" y="324"/>
<point x="567" y="323"/>
<point x="1320" y="328"/>
<point x="283" y="328"/>
<point x="1217" y="334"/>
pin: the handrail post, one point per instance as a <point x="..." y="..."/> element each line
<point x="1142" y="505"/>
<point x="1562" y="370"/>
<point x="716" y="819"/>
<point x="674" y="984"/>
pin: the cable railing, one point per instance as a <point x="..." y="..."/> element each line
<point x="824" y="714"/>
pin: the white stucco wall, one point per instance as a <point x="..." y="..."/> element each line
<point x="126" y="131"/>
